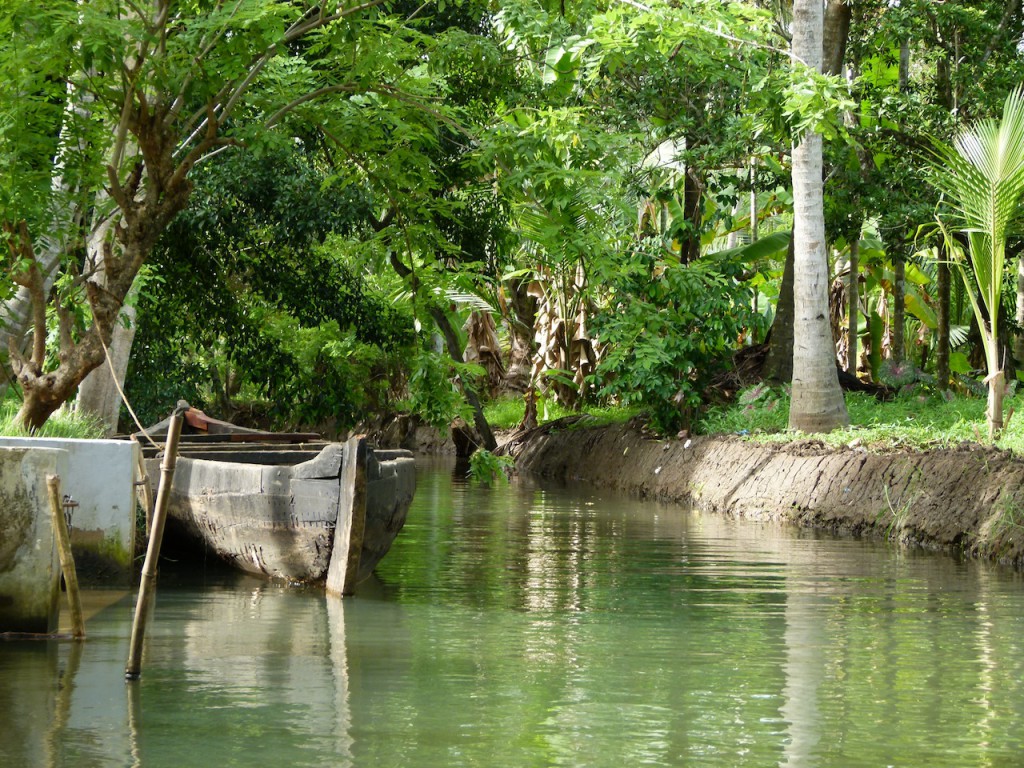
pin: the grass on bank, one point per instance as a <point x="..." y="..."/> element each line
<point x="508" y="412"/>
<point x="907" y="421"/>
<point x="762" y="414"/>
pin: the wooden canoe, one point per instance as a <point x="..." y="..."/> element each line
<point x="271" y="507"/>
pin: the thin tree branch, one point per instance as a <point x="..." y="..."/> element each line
<point x="134" y="9"/>
<point x="227" y="99"/>
<point x="298" y="30"/>
<point x="1011" y="8"/>
<point x="400" y="95"/>
<point x="307" y="97"/>
<point x="206" y="48"/>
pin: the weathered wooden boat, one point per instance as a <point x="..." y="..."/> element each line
<point x="283" y="506"/>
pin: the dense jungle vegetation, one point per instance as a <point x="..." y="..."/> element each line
<point x="309" y="214"/>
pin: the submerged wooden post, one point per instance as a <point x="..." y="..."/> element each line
<point x="351" y="523"/>
<point x="147" y="583"/>
<point x="67" y="560"/>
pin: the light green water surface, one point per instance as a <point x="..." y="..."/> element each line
<point x="541" y="626"/>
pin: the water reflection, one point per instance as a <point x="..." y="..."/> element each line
<point x="267" y="663"/>
<point x="34" y="671"/>
<point x="729" y="643"/>
<point x="531" y="625"/>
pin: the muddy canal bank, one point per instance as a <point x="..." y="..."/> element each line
<point x="967" y="500"/>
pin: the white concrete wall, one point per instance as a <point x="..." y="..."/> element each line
<point x="100" y="476"/>
<point x="29" y="562"/>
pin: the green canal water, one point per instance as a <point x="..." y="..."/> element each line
<point x="533" y="625"/>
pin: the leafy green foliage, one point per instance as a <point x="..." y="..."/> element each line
<point x="485" y="467"/>
<point x="669" y="330"/>
<point x="505" y="412"/>
<point x="465" y="142"/>
<point x="982" y="174"/>
<point x="432" y="393"/>
<point x="914" y="419"/>
<point x="114" y="101"/>
<point x="259" y="258"/>
<point x="761" y="408"/>
<point x="905" y="377"/>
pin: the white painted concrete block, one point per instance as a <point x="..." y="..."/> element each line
<point x="100" y="476"/>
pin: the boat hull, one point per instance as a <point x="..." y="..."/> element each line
<point x="278" y="520"/>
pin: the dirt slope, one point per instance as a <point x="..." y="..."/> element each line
<point x="968" y="500"/>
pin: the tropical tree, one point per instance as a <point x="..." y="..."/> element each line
<point x="924" y="68"/>
<point x="817" y="402"/>
<point x="151" y="92"/>
<point x="625" y="167"/>
<point x="982" y="175"/>
<point x="260" y="254"/>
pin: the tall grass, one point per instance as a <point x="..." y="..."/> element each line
<point x="63" y="423"/>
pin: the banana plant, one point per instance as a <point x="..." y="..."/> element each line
<point x="981" y="174"/>
<point x="878" y="275"/>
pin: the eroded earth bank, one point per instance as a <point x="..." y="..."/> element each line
<point x="967" y="500"/>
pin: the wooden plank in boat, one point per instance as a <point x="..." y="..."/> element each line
<point x="245" y="453"/>
<point x="254" y="437"/>
<point x="254" y="457"/>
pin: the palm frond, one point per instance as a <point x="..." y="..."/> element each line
<point x="981" y="174"/>
<point x="464" y="299"/>
<point x="958" y="335"/>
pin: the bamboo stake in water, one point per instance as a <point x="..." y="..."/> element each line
<point x="67" y="560"/>
<point x="147" y="584"/>
<point x="146" y="489"/>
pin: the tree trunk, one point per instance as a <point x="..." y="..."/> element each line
<point x="16" y="313"/>
<point x="122" y="244"/>
<point x="853" y="304"/>
<point x="1018" y="341"/>
<point x="520" y="315"/>
<point x="942" y="324"/>
<point x="817" y="401"/>
<point x="994" y="412"/>
<point x="778" y="363"/>
<point x="835" y="34"/>
<point x="903" y="77"/>
<point x="944" y="83"/>
<point x="693" y="210"/>
<point x="45" y="392"/>
<point x="98" y="395"/>
<point x="899" y="304"/>
<point x="455" y="352"/>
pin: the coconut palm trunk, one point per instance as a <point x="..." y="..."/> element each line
<point x="817" y="401"/>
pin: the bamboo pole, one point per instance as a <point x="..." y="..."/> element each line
<point x="67" y="560"/>
<point x="147" y="585"/>
<point x="145" y="489"/>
